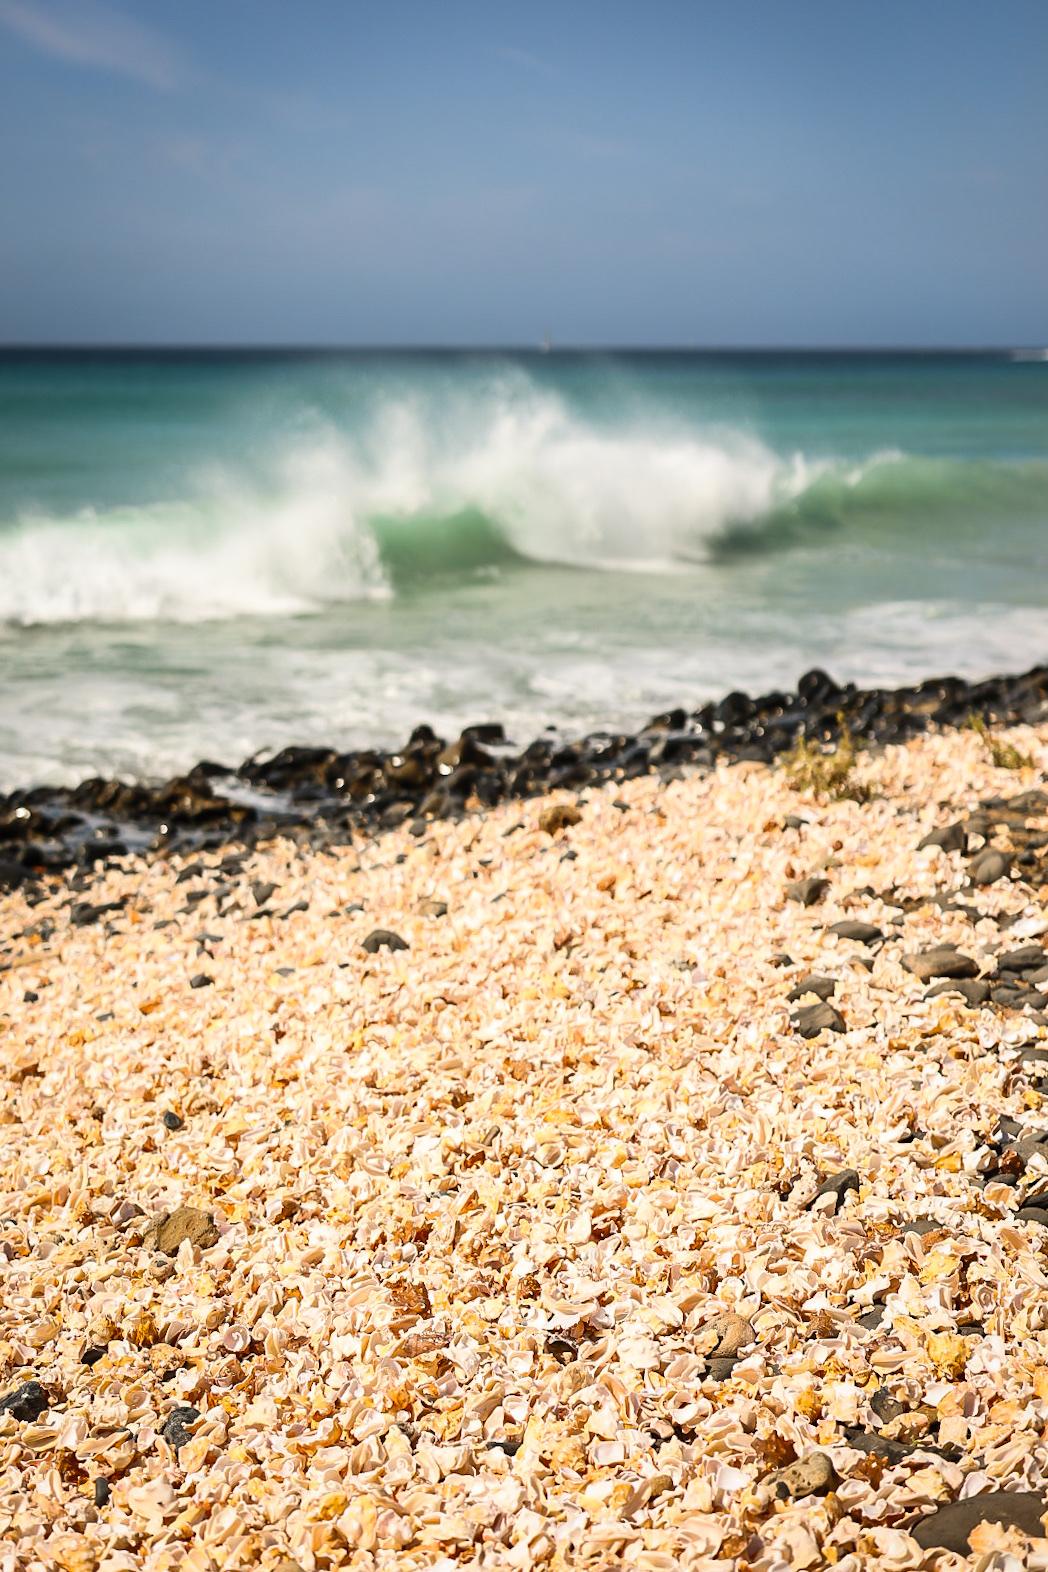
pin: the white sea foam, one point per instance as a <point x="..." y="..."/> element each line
<point x="321" y="520"/>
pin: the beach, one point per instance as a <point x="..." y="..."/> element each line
<point x="651" y="1173"/>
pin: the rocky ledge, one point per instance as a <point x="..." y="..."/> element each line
<point x="323" y="794"/>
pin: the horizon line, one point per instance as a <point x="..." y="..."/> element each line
<point x="234" y="346"/>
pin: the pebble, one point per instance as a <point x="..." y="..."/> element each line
<point x="822" y="987"/>
<point x="988" y="866"/>
<point x="861" y="932"/>
<point x="806" y="892"/>
<point x="559" y="816"/>
<point x="27" y="1402"/>
<point x="813" y="1475"/>
<point x="837" y="1185"/>
<point x="811" y="1019"/>
<point x="949" y="1526"/>
<point x="383" y="939"/>
<point x="186" y="1222"/>
<point x="942" y="961"/>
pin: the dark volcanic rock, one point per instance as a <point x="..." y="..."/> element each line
<point x="988" y="866"/>
<point x="942" y="961"/>
<point x="952" y="838"/>
<point x="383" y="939"/>
<point x="102" y="1492"/>
<point x="811" y="1019"/>
<point x="822" y="987"/>
<point x="807" y="891"/>
<point x="837" y="1185"/>
<point x="948" y="1527"/>
<point x="27" y="1402"/>
<point x="861" y="932"/>
<point x="972" y="990"/>
<point x="174" y="1429"/>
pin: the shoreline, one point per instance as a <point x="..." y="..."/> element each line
<point x="653" y="1176"/>
<point x="324" y="796"/>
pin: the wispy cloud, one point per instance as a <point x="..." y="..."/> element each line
<point x="524" y="58"/>
<point x="86" y="33"/>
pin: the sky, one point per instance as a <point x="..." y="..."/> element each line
<point x="709" y="172"/>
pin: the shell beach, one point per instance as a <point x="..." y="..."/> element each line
<point x="645" y="1178"/>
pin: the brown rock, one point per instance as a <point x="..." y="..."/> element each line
<point x="813" y="1475"/>
<point x="942" y="961"/>
<point x="187" y="1222"/>
<point x="948" y="1527"/>
<point x="558" y="816"/>
<point x="811" y="1019"/>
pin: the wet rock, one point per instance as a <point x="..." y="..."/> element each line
<point x="26" y="1402"/>
<point x="811" y="1019"/>
<point x="988" y="866"/>
<point x="102" y="1492"/>
<point x="972" y="990"/>
<point x="807" y="891"/>
<point x="821" y="987"/>
<point x="952" y="838"/>
<point x="949" y="1526"/>
<point x="860" y="932"/>
<point x="813" y="1475"/>
<point x="838" y="1185"/>
<point x="558" y="816"/>
<point x="942" y="961"/>
<point x="383" y="939"/>
<point x="171" y="1121"/>
<point x="174" y="1429"/>
<point x="186" y="1222"/>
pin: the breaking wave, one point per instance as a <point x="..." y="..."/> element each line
<point x="423" y="494"/>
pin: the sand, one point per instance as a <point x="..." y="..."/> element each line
<point x="503" y="1249"/>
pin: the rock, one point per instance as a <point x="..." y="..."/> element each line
<point x="813" y="1475"/>
<point x="919" y="1226"/>
<point x="821" y="987"/>
<point x="720" y="1368"/>
<point x="725" y="1334"/>
<point x="886" y="1407"/>
<point x="186" y="1222"/>
<point x="101" y="1492"/>
<point x="558" y="816"/>
<point x="861" y="932"/>
<point x="952" y="838"/>
<point x="942" y="961"/>
<point x="871" y="1319"/>
<point x="384" y="939"/>
<point x="1033" y="1214"/>
<point x="92" y="1353"/>
<point x="811" y="1019"/>
<point x="174" y="1429"/>
<point x="1027" y="958"/>
<point x="807" y="891"/>
<point x="82" y="914"/>
<point x="433" y="908"/>
<point x="972" y="990"/>
<point x="836" y="1185"/>
<point x="988" y="866"/>
<point x="201" y="980"/>
<point x="27" y="1402"/>
<point x="877" y="1445"/>
<point x="171" y="1121"/>
<point x="949" y="1526"/>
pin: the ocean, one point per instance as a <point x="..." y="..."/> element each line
<point x="206" y="554"/>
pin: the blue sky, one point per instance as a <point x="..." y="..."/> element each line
<point x="704" y="172"/>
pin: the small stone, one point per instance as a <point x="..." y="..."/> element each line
<point x="384" y="939"/>
<point x="919" y="1226"/>
<point x="102" y="1492"/>
<point x="952" y="838"/>
<point x="811" y="1019"/>
<point x="27" y="1402"/>
<point x="807" y="891"/>
<point x="172" y="1121"/>
<point x="92" y="1354"/>
<point x="861" y="932"/>
<point x="725" y="1334"/>
<point x="1033" y="1214"/>
<point x="871" y="1319"/>
<point x="821" y="987"/>
<point x="971" y="989"/>
<point x="988" y="866"/>
<point x="262" y="889"/>
<point x="1027" y="958"/>
<point x="813" y="1475"/>
<point x="942" y="961"/>
<point x="836" y="1185"/>
<point x="949" y="1526"/>
<point x="433" y="908"/>
<point x="886" y="1407"/>
<point x="174" y="1429"/>
<point x="201" y="980"/>
<point x="187" y="1222"/>
<point x="721" y="1367"/>
<point x="558" y="816"/>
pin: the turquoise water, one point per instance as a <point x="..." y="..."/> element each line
<point x="204" y="555"/>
